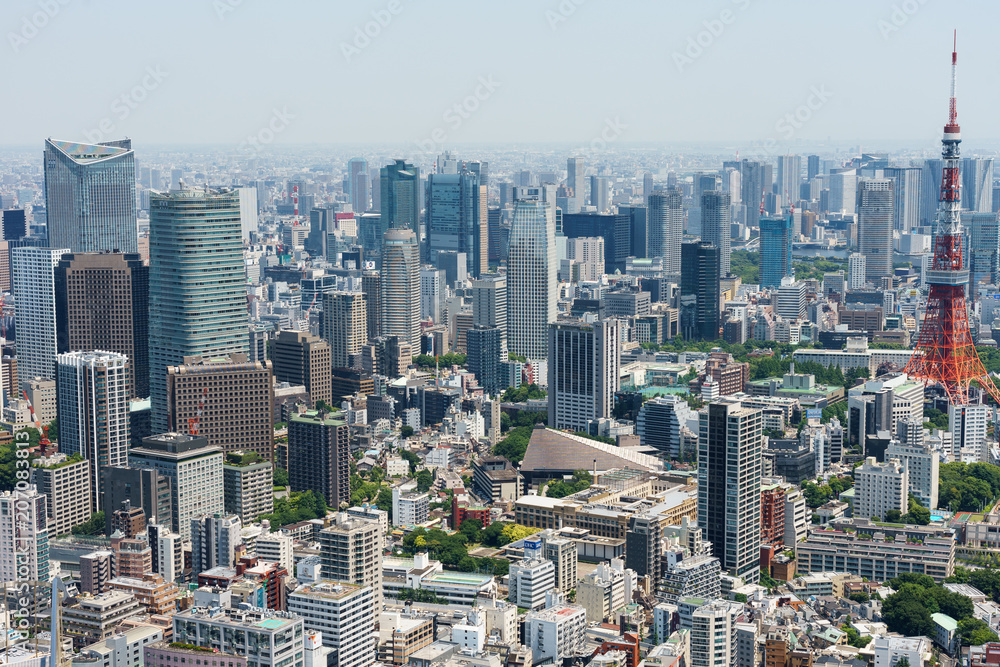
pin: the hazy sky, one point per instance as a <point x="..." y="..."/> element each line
<point x="220" y="71"/>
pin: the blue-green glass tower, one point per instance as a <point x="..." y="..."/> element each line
<point x="775" y="250"/>
<point x="400" y="194"/>
<point x="197" y="284"/>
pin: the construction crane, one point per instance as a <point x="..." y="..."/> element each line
<point x="43" y="441"/>
<point x="193" y="423"/>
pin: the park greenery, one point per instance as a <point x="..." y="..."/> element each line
<point x="280" y="477"/>
<point x="746" y="265"/>
<point x="442" y="360"/>
<point x="820" y="494"/>
<point x="93" y="526"/>
<point x="561" y="488"/>
<point x="522" y="393"/>
<point x="967" y="487"/>
<point x="515" y="444"/>
<point x="908" y="610"/>
<point x="297" y="506"/>
<point x="453" y="549"/>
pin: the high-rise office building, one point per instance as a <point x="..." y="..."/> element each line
<point x="789" y="175"/>
<point x="584" y="365"/>
<point x="400" y="286"/>
<point x="90" y="196"/>
<point x="856" y="271"/>
<point x="228" y="400"/>
<point x="457" y="218"/>
<point x="907" y="182"/>
<point x="102" y="303"/>
<point x="575" y="181"/>
<point x="791" y="299"/>
<point x="5" y="284"/>
<point x="843" y="191"/>
<point x="638" y="228"/>
<point x="194" y="469"/>
<point x="346" y="325"/>
<point x="484" y="354"/>
<point x="400" y="198"/>
<point x="94" y="410"/>
<point x="700" y="292"/>
<point x="357" y="183"/>
<point x="319" y="455"/>
<point x="812" y="167"/>
<point x="600" y="193"/>
<point x="666" y="228"/>
<point x="342" y="614"/>
<point x="612" y="228"/>
<point x="300" y="358"/>
<point x="15" y="224"/>
<point x="489" y="304"/>
<point x="350" y="550"/>
<point x="977" y="184"/>
<point x="432" y="294"/>
<point x="729" y="478"/>
<point x="531" y="279"/>
<point x="775" y="250"/>
<point x="24" y="536"/>
<point x="197" y="284"/>
<point x="67" y="490"/>
<point x="33" y="277"/>
<point x="983" y="238"/>
<point x="755" y="181"/>
<point x="716" y="225"/>
<point x="875" y="222"/>
<point x="371" y="287"/>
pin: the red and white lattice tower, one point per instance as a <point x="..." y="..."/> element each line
<point x="945" y="353"/>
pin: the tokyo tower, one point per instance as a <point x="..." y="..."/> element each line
<point x="945" y="353"/>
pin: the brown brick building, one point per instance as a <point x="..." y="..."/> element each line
<point x="300" y="358"/>
<point x="238" y="402"/>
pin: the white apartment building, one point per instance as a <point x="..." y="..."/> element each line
<point x="344" y="614"/>
<point x="880" y="487"/>
<point x="555" y="633"/>
<point x="922" y="466"/>
<point x="530" y="580"/>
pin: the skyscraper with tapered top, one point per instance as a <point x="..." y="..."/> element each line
<point x="400" y="286"/>
<point x="90" y="196"/>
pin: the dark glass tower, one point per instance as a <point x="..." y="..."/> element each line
<point x="700" y="293"/>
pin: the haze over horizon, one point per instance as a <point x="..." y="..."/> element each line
<point x="732" y="72"/>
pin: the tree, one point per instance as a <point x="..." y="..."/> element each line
<point x="472" y="529"/>
<point x="280" y="477"/>
<point x="514" y="532"/>
<point x="893" y="516"/>
<point x="975" y="633"/>
<point x="412" y="458"/>
<point x="424" y="480"/>
<point x="405" y="431"/>
<point x="860" y="597"/>
<point x="515" y="444"/>
<point x="561" y="488"/>
<point x="93" y="526"/>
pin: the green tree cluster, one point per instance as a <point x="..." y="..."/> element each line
<point x="817" y="494"/>
<point x="452" y="550"/>
<point x="443" y="360"/>
<point x="854" y="637"/>
<point x="935" y="418"/>
<point x="515" y="444"/>
<point x="410" y="458"/>
<point x="522" y="393"/>
<point x="280" y="477"/>
<point x="298" y="506"/>
<point x="93" y="526"/>
<point x="405" y="431"/>
<point x="967" y="487"/>
<point x="561" y="488"/>
<point x="908" y="610"/>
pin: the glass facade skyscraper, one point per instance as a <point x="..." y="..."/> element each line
<point x="400" y="286"/>
<point x="90" y="196"/>
<point x="400" y="196"/>
<point x="775" y="250"/>
<point x="457" y="218"/>
<point x="197" y="284"/>
<point x="666" y="228"/>
<point x="716" y="225"/>
<point x="700" y="292"/>
<point x="532" y="283"/>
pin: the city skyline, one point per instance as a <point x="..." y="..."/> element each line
<point x="276" y="97"/>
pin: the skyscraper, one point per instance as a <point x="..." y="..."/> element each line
<point x="666" y="228"/>
<point x="346" y="318"/>
<point x="699" y="316"/>
<point x="716" y="225"/>
<point x="197" y="284"/>
<point x="977" y="184"/>
<point x="875" y="221"/>
<point x="775" y="250"/>
<point x="93" y="395"/>
<point x="90" y="196"/>
<point x="531" y="279"/>
<point x="600" y="193"/>
<point x="907" y="182"/>
<point x="457" y="218"/>
<point x="349" y="549"/>
<point x="102" y="303"/>
<point x="789" y="175"/>
<point x="484" y="348"/>
<point x="638" y="229"/>
<point x="729" y="474"/>
<point x="33" y="276"/>
<point x="584" y="363"/>
<point x="812" y="167"/>
<point x="371" y="287"/>
<point x="489" y="305"/>
<point x="24" y="536"/>
<point x="357" y="182"/>
<point x="303" y="359"/>
<point x="15" y="224"/>
<point x="856" y="271"/>
<point x="575" y="181"/>
<point x="400" y="286"/>
<point x="400" y="199"/>
<point x="984" y="248"/>
<point x="843" y="189"/>
<point x="755" y="181"/>
<point x="319" y="455"/>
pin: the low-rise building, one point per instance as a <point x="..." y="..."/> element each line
<point x="166" y="654"/>
<point x="555" y="633"/>
<point x="123" y="649"/>
<point x="94" y="618"/>
<point x="271" y="637"/>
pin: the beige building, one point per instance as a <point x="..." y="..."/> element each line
<point x="300" y="358"/>
<point x="351" y="551"/>
<point x="65" y="481"/>
<point x="249" y="487"/>
<point x="345" y="318"/>
<point x="238" y="396"/>
<point x="42" y="394"/>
